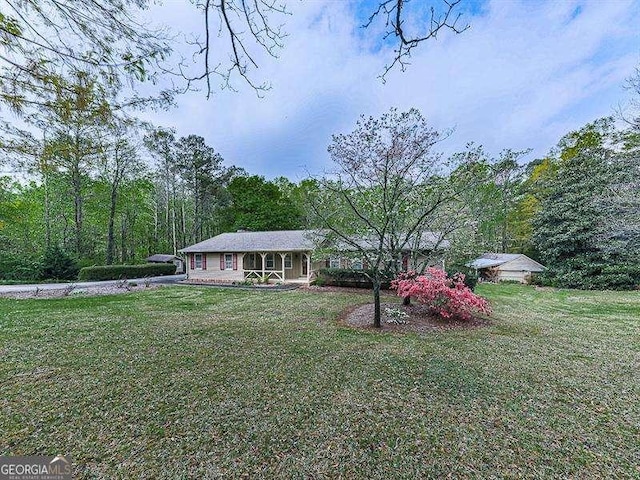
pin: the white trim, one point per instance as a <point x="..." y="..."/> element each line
<point x="228" y="265"/>
<point x="357" y="264"/>
<point x="284" y="261"/>
<point x="332" y="260"/>
<point x="272" y="257"/>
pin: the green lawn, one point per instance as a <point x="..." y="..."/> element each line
<point x="185" y="382"/>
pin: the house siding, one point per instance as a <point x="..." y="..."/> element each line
<point x="517" y="270"/>
<point x="213" y="271"/>
<point x="512" y="276"/>
<point x="423" y="261"/>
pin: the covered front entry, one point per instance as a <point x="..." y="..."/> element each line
<point x="277" y="266"/>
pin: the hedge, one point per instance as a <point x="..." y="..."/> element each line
<point x="120" y="272"/>
<point x="345" y="277"/>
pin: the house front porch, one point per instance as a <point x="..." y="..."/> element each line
<point x="289" y="267"/>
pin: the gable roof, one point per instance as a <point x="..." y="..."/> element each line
<point x="489" y="260"/>
<point x="276" y="241"/>
<point x="285" y="240"/>
<point x="426" y="241"/>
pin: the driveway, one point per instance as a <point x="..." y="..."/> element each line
<point x="165" y="279"/>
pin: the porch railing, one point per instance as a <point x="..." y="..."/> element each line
<point x="258" y="274"/>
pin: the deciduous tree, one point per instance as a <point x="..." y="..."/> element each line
<point x="389" y="188"/>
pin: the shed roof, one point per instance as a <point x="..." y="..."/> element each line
<point x="162" y="258"/>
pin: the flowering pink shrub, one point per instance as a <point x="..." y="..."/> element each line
<point x="446" y="297"/>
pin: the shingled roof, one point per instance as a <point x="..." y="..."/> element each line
<point x="489" y="260"/>
<point x="276" y="241"/>
<point x="286" y="241"/>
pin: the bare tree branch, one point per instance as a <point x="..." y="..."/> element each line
<point x="392" y="13"/>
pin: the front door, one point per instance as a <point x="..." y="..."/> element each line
<point x="303" y="259"/>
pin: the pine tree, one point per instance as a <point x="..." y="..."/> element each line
<point x="58" y="265"/>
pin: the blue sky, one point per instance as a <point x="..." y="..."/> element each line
<point x="523" y="75"/>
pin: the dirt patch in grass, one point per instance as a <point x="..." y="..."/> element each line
<point x="418" y="319"/>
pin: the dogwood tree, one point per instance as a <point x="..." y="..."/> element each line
<point x="387" y="193"/>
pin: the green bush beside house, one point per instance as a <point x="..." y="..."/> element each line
<point x="121" y="272"/>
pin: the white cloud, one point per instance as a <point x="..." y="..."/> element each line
<point x="522" y="76"/>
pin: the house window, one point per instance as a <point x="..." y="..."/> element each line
<point x="334" y="262"/>
<point x="198" y="261"/>
<point x="356" y="264"/>
<point x="228" y="261"/>
<point x="288" y="262"/>
<point x="270" y="263"/>
<point x="252" y="261"/>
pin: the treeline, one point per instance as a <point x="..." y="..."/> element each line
<point x="92" y="181"/>
<point x="89" y="179"/>
<point x="160" y="209"/>
<point x="576" y="210"/>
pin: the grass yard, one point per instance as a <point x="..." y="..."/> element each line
<point x="184" y="382"/>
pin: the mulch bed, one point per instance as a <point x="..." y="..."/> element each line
<point x="419" y="319"/>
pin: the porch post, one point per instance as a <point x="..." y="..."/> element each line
<point x="263" y="255"/>
<point x="308" y="267"/>
<point x="282" y="255"/>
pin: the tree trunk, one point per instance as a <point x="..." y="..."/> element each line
<point x="156" y="213"/>
<point x="406" y="301"/>
<point x="184" y="226"/>
<point x="173" y="230"/>
<point x="77" y="211"/>
<point x="168" y="204"/>
<point x="110" y="234"/>
<point x="47" y="208"/>
<point x="123" y="240"/>
<point x="376" y="302"/>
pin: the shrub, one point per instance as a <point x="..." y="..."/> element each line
<point x="396" y="316"/>
<point x="346" y="277"/>
<point x="120" y="272"/>
<point x="58" y="265"/>
<point x="470" y="275"/>
<point x="18" y="267"/>
<point x="318" y="281"/>
<point x="446" y="297"/>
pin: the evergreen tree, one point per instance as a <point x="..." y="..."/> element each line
<point x="58" y="265"/>
<point x="571" y="224"/>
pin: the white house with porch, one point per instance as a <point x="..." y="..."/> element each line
<point x="279" y="256"/>
<point x="285" y="256"/>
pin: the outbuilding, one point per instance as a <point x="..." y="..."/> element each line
<point x="514" y="267"/>
<point x="168" y="258"/>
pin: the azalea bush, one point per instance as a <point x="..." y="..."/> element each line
<point x="447" y="297"/>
